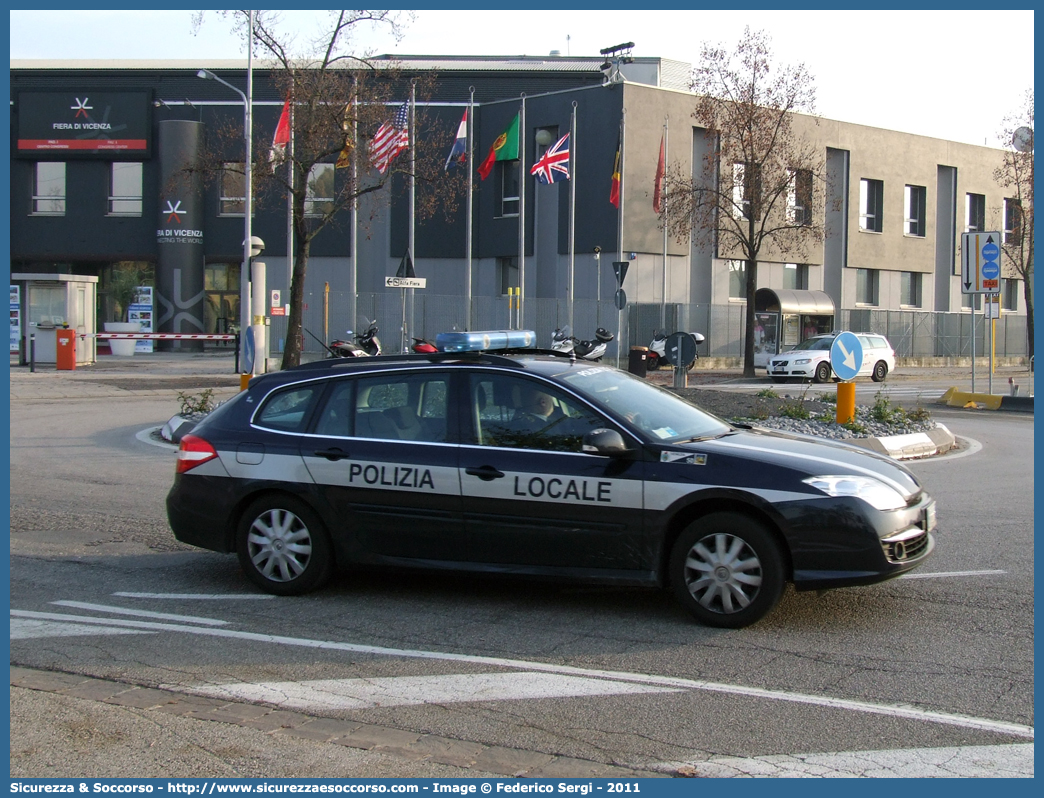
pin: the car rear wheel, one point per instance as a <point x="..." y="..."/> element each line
<point x="283" y="547"/>
<point x="880" y="371"/>
<point x="822" y="372"/>
<point x="726" y="569"/>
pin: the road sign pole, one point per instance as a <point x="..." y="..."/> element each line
<point x="845" y="402"/>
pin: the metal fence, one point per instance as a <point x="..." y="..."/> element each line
<point x="911" y="333"/>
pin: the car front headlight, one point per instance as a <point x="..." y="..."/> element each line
<point x="803" y="361"/>
<point x="873" y="492"/>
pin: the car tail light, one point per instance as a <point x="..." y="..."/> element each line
<point x="192" y="452"/>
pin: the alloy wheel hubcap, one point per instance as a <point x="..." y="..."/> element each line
<point x="279" y="545"/>
<point x="723" y="573"/>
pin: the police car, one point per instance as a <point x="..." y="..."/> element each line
<point x="539" y="465"/>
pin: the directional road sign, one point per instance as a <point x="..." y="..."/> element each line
<point x="846" y="356"/>
<point x="405" y="282"/>
<point x="980" y="263"/>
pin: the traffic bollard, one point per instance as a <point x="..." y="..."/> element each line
<point x="845" y="402"/>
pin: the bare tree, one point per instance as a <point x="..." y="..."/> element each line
<point x="1016" y="175"/>
<point x="338" y="101"/>
<point x="761" y="187"/>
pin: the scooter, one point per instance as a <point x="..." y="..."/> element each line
<point x="369" y="345"/>
<point x="563" y="341"/>
<point x="655" y="359"/>
<point x="423" y="346"/>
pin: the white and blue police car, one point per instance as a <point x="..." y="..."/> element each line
<point x="535" y="464"/>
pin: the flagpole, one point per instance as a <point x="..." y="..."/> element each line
<point x="619" y="232"/>
<point x="353" y="271"/>
<point x="290" y="206"/>
<point x="663" y="206"/>
<point x="521" y="210"/>
<point x="471" y="166"/>
<point x="572" y="213"/>
<point x="413" y="202"/>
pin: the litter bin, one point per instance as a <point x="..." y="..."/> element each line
<point x="66" y="349"/>
<point x="637" y="361"/>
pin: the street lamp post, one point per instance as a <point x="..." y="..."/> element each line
<point x="244" y="277"/>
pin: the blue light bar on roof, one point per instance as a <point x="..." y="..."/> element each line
<point x="485" y="339"/>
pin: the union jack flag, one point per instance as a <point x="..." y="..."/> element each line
<point x="390" y="139"/>
<point x="553" y="165"/>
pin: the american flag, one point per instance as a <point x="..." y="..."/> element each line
<point x="390" y="139"/>
<point x="554" y="163"/>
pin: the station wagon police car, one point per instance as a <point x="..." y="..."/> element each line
<point x="538" y="465"/>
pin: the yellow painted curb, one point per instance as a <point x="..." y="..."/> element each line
<point x="955" y="398"/>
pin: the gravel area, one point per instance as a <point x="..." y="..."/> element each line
<point x="784" y="413"/>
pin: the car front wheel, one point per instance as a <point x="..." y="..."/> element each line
<point x="822" y="372"/>
<point x="726" y="569"/>
<point x="283" y="547"/>
<point x="880" y="371"/>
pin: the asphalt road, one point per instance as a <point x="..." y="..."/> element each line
<point x="934" y="674"/>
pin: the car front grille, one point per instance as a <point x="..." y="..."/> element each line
<point x="906" y="545"/>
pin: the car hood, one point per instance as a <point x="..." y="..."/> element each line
<point x="807" y="456"/>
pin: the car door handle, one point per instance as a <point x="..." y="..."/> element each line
<point x="485" y="473"/>
<point x="332" y="454"/>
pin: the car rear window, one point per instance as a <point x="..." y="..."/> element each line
<point x="289" y="410"/>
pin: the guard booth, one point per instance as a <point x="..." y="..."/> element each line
<point x="48" y="303"/>
<point x="784" y="317"/>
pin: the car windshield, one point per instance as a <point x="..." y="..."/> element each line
<point x="815" y="343"/>
<point x="658" y="412"/>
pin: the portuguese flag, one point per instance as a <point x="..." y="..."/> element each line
<point x="505" y="148"/>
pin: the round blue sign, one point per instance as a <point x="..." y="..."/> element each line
<point x="846" y="356"/>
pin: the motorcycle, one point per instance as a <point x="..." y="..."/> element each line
<point x="656" y="358"/>
<point x="423" y="346"/>
<point x="562" y="340"/>
<point x="369" y="345"/>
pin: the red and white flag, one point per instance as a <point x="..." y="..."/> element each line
<point x="390" y="139"/>
<point x="282" y="135"/>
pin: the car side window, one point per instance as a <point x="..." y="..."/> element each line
<point x="520" y="413"/>
<point x="403" y="407"/>
<point x="288" y="411"/>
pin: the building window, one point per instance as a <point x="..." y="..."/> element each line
<point x="910" y="289"/>
<point x="871" y="205"/>
<point x="737" y="279"/>
<point x="795" y="276"/>
<point x="975" y="213"/>
<point x="125" y="189"/>
<point x="866" y="286"/>
<point x="915" y="201"/>
<point x="799" y="197"/>
<point x="1012" y="221"/>
<point x="745" y="190"/>
<point x="1009" y="294"/>
<point x="507" y="272"/>
<point x="49" y="188"/>
<point x="319" y="196"/>
<point x="232" y="201"/>
<point x="508" y="184"/>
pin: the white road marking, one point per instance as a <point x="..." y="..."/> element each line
<point x="200" y="596"/>
<point x="947" y="574"/>
<point x="889" y="710"/>
<point x="971" y="761"/>
<point x="157" y="616"/>
<point x="416" y="690"/>
<point x="28" y="629"/>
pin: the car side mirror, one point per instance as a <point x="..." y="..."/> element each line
<point x="606" y="442"/>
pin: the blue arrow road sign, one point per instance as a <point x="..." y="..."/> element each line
<point x="846" y="356"/>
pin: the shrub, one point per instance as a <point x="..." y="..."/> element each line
<point x="196" y="404"/>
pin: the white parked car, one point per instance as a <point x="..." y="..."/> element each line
<point x="810" y="360"/>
